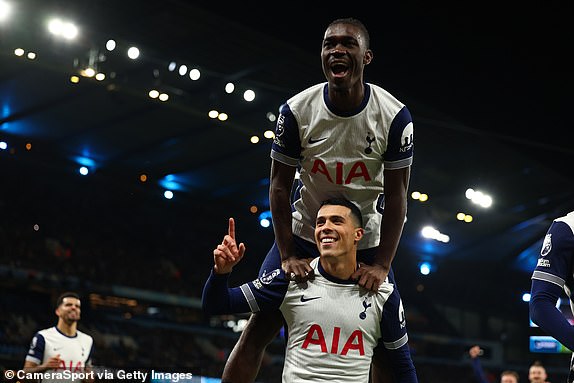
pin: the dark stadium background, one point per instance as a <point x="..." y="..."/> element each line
<point x="490" y="94"/>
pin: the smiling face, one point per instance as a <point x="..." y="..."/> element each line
<point x="337" y="232"/>
<point x="344" y="55"/>
<point x="537" y="374"/>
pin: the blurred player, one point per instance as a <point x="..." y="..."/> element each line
<point x="553" y="275"/>
<point x="62" y="347"/>
<point x="333" y="324"/>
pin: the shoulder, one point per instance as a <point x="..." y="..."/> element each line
<point x="304" y="95"/>
<point x="381" y="95"/>
<point x="83" y="335"/>
<point x="47" y="331"/>
<point x="568" y="219"/>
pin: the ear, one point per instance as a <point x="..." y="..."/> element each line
<point x="359" y="232"/>
<point x="367" y="57"/>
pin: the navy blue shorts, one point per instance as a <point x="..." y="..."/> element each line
<point x="393" y="325"/>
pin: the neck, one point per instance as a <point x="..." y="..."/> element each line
<point x="68" y="329"/>
<point x="347" y="99"/>
<point x="341" y="267"/>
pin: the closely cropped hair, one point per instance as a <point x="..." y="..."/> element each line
<point x="510" y="373"/>
<point x="357" y="23"/>
<point x="67" y="294"/>
<point x="355" y="211"/>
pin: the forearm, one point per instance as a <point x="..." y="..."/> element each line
<point x="218" y="298"/>
<point x="280" y="204"/>
<point x="478" y="371"/>
<point x="391" y="229"/>
<point x="544" y="313"/>
<point x="35" y="368"/>
<point x="281" y="213"/>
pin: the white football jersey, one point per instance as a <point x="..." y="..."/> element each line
<point x="342" y="155"/>
<point x="332" y="325"/>
<point x="75" y="352"/>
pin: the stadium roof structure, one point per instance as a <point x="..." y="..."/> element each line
<point x="488" y="94"/>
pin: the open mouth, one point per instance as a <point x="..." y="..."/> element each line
<point x="327" y="241"/>
<point x="339" y="69"/>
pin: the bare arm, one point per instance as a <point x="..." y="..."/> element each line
<point x="396" y="186"/>
<point x="282" y="177"/>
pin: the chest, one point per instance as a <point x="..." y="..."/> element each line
<point x="73" y="352"/>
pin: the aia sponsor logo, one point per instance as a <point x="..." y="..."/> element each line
<point x="337" y="345"/>
<point x="340" y="175"/>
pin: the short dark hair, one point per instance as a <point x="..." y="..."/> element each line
<point x="511" y="373"/>
<point x="67" y="294"/>
<point x="537" y="363"/>
<point x="355" y="211"/>
<point x="357" y="23"/>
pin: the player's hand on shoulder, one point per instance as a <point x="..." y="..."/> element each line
<point x="228" y="253"/>
<point x="298" y="269"/>
<point x="370" y="277"/>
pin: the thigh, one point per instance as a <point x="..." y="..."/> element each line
<point x="272" y="261"/>
<point x="381" y="368"/>
<point x="261" y="328"/>
<point x="394" y="322"/>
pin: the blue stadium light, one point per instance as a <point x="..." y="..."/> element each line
<point x="168" y="194"/>
<point x="425" y="268"/>
<point x="84" y="171"/>
<point x="265" y="218"/>
<point x="3" y="145"/>
<point x="526" y="297"/>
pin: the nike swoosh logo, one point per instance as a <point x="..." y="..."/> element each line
<point x="303" y="299"/>
<point x="312" y="141"/>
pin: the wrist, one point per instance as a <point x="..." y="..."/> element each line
<point x="221" y="271"/>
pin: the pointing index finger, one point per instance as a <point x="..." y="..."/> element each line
<point x="231" y="230"/>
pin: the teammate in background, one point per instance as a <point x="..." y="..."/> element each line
<point x="507" y="376"/>
<point x="552" y="276"/>
<point x="333" y="324"/>
<point x="344" y="137"/>
<point x="62" y="347"/>
<point x="537" y="373"/>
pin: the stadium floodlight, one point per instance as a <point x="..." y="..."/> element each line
<point x="425" y="268"/>
<point x="133" y="53"/>
<point x="64" y="29"/>
<point x="5" y="10"/>
<point x="249" y="95"/>
<point x="111" y="45"/>
<point x="194" y="74"/>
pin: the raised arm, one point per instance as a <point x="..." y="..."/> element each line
<point x="217" y="297"/>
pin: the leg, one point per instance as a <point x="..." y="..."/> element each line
<point x="392" y="357"/>
<point x="381" y="369"/>
<point x="245" y="359"/>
